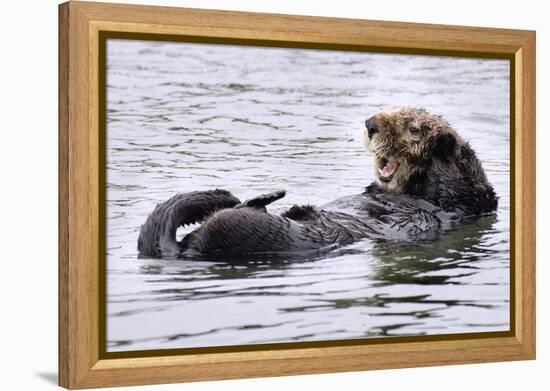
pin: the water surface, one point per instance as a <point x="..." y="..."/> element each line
<point x="185" y="117"/>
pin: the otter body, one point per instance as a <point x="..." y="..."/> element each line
<point x="427" y="179"/>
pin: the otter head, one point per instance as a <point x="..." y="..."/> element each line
<point x="405" y="143"/>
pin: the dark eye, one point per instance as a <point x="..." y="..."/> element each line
<point x="414" y="130"/>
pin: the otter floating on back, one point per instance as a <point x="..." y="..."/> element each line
<point x="427" y="179"/>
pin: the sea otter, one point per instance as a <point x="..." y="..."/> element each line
<point x="427" y="179"/>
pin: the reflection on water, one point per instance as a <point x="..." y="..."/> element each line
<point x="185" y="117"/>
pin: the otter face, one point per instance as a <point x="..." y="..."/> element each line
<point x="404" y="142"/>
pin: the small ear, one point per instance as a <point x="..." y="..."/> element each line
<point x="445" y="146"/>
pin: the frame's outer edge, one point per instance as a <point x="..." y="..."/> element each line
<point x="79" y="363"/>
<point x="77" y="352"/>
<point x="63" y="178"/>
<point x="525" y="253"/>
<point x="528" y="188"/>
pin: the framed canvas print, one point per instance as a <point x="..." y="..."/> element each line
<point x="247" y="195"/>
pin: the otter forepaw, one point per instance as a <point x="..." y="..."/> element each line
<point x="262" y="200"/>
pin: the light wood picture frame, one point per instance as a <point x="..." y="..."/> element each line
<point x="83" y="29"/>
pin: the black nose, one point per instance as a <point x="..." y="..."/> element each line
<point x="372" y="126"/>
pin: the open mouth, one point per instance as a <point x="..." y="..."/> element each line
<point x="387" y="168"/>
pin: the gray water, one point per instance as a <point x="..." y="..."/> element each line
<point x="185" y="117"/>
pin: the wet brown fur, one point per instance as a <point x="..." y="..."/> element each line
<point x="435" y="163"/>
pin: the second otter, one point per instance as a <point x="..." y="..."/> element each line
<point x="426" y="179"/>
